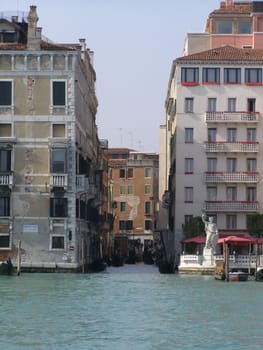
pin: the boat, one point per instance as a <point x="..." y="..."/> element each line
<point x="238" y="276"/>
<point x="6" y="268"/>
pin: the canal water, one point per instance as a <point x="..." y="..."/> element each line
<point x="129" y="308"/>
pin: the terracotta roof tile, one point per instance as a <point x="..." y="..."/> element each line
<point x="225" y="53"/>
<point x="45" y="45"/>
<point x="235" y="8"/>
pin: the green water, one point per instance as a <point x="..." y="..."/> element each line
<point x="129" y="308"/>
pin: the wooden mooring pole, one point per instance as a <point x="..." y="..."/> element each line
<point x="19" y="259"/>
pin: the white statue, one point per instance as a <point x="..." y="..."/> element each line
<point x="211" y="232"/>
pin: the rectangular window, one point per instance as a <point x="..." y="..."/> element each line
<point x="251" y="194"/>
<point x="130" y="173"/>
<point x="231" y="193"/>
<point x="251" y="105"/>
<point x="211" y="75"/>
<point x="122" y="173"/>
<point x="231" y="104"/>
<point x="231" y="164"/>
<point x="212" y="165"/>
<point x="224" y="27"/>
<point x="5" y="93"/>
<point x="211" y="104"/>
<point x="189" y="105"/>
<point x="58" y="160"/>
<point x="251" y="134"/>
<point x="58" y="242"/>
<point x="231" y="134"/>
<point x="147" y="189"/>
<point x="147" y="172"/>
<point x="5" y="130"/>
<point x="122" y="206"/>
<point x="190" y="75"/>
<point x="253" y="75"/>
<point x="5" y="206"/>
<point x="231" y="222"/>
<point x="122" y="225"/>
<point x="189" y="165"/>
<point x="188" y="194"/>
<point x="189" y="135"/>
<point x="211" y="193"/>
<point x="232" y="75"/>
<point x="187" y="218"/>
<point x="59" y="93"/>
<point x="147" y="208"/>
<point x="244" y="27"/>
<point x="130" y="189"/>
<point x="58" y="130"/>
<point x="122" y="189"/>
<point x="251" y="164"/>
<point x="212" y="134"/>
<point x="58" y="207"/>
<point x="148" y="225"/>
<point x="5" y="160"/>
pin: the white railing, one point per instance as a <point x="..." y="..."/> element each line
<point x="232" y="147"/>
<point x="59" y="180"/>
<point x="6" y="180"/>
<point x="219" y="177"/>
<point x="232" y="206"/>
<point x="231" y="117"/>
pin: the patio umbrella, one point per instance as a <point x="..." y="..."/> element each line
<point x="236" y="240"/>
<point x="197" y="240"/>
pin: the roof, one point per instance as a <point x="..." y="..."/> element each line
<point x="234" y="8"/>
<point x="45" y="45"/>
<point x="225" y="53"/>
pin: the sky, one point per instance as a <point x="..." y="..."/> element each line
<point x="134" y="44"/>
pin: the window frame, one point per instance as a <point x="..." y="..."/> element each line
<point x="11" y="93"/>
<point x="58" y="210"/>
<point x="189" y="135"/>
<point x="232" y="75"/>
<point x="53" y="92"/>
<point x="190" y="76"/>
<point x="189" y="165"/>
<point x="52" y="164"/>
<point x="253" y="76"/>
<point x="188" y="194"/>
<point x="211" y="75"/>
<point x="6" y="164"/>
<point x="5" y="207"/>
<point x="189" y="105"/>
<point x="54" y="236"/>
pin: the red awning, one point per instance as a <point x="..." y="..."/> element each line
<point x="260" y="240"/>
<point x="236" y="240"/>
<point x="197" y="240"/>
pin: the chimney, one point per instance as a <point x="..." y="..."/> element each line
<point x="229" y="3"/>
<point x="33" y="33"/>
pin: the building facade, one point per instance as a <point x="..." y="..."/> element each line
<point x="49" y="176"/>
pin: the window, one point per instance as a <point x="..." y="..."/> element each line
<point x="211" y="104"/>
<point x="251" y="164"/>
<point x="5" y="206"/>
<point x="231" y="222"/>
<point x="211" y="75"/>
<point x="147" y="189"/>
<point x="251" y="134"/>
<point x="211" y="193"/>
<point x="224" y="27"/>
<point x="58" y="242"/>
<point x="5" y="93"/>
<point x="251" y="105"/>
<point x="4" y="240"/>
<point x="188" y="165"/>
<point x="231" y="164"/>
<point x="189" y="105"/>
<point x="147" y="172"/>
<point x="187" y="219"/>
<point x="122" y="206"/>
<point x="188" y="194"/>
<point x="5" y="160"/>
<point x="59" y="93"/>
<point x="147" y="207"/>
<point x="244" y="27"/>
<point x="251" y="194"/>
<point x="211" y="164"/>
<point x="148" y="225"/>
<point x="122" y="173"/>
<point x="189" y="135"/>
<point x="58" y="160"/>
<point x="5" y="130"/>
<point x="231" y="104"/>
<point x="130" y="189"/>
<point x="253" y="75"/>
<point x="130" y="173"/>
<point x="212" y="134"/>
<point x="125" y="225"/>
<point x="231" y="193"/>
<point x="58" y="130"/>
<point x="232" y="75"/>
<point x="122" y="190"/>
<point x="58" y="207"/>
<point x="231" y="134"/>
<point x="190" y="75"/>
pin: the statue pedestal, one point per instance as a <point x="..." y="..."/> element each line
<point x="208" y="257"/>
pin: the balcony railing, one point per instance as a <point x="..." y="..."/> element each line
<point x="232" y="147"/>
<point x="228" y="177"/>
<point x="59" y="180"/>
<point x="232" y="117"/>
<point x="6" y="180"/>
<point x="232" y="206"/>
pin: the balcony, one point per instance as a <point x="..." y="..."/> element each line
<point x="229" y="177"/>
<point x="82" y="183"/>
<point x="6" y="180"/>
<point x="247" y="147"/>
<point x="59" y="181"/>
<point x="232" y="117"/>
<point x="231" y="206"/>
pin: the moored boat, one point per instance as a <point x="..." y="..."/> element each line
<point x="238" y="276"/>
<point x="6" y="267"/>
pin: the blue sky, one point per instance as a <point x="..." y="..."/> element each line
<point x="134" y="44"/>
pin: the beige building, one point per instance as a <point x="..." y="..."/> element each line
<point x="50" y="175"/>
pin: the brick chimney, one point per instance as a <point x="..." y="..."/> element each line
<point x="33" y="32"/>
